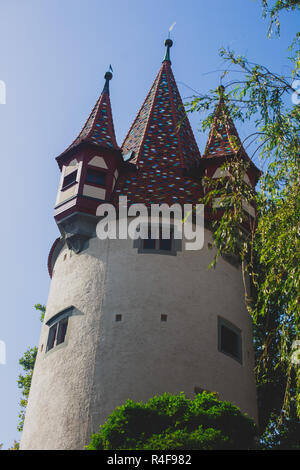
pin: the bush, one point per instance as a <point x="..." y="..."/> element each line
<point x="176" y="422"/>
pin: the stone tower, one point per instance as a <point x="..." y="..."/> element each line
<point x="134" y="318"/>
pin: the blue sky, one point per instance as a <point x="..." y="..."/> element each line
<point x="53" y="55"/>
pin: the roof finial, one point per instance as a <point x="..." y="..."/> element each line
<point x="169" y="44"/>
<point x="108" y="76"/>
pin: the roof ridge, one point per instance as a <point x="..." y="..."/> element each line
<point x="149" y="116"/>
<point x="228" y="125"/>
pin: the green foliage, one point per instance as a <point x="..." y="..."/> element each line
<point x="24" y="381"/>
<point x="286" y="436"/>
<point x="204" y="439"/>
<point x="274" y="7"/>
<point x="42" y="309"/>
<point x="176" y="422"/>
<point x="16" y="446"/>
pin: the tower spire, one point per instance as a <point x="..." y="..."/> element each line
<point x="99" y="127"/>
<point x="162" y="146"/>
<point x="224" y="140"/>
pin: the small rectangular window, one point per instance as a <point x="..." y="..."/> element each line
<point x="118" y="317"/>
<point x="230" y="339"/>
<point x="58" y="326"/>
<point x="95" y="177"/>
<point x="69" y="180"/>
<point x="159" y="244"/>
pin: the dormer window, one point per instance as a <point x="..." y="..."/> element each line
<point x="95" y="177"/>
<point x="69" y="180"/>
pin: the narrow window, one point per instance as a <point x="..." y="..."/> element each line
<point x="51" y="337"/>
<point x="62" y="330"/>
<point x="230" y="340"/>
<point x="95" y="177"/>
<point x="165" y="244"/>
<point x="58" y="326"/>
<point x="118" y="317"/>
<point x="69" y="180"/>
<point x="163" y="317"/>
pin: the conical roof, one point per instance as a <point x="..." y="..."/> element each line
<point x="224" y="141"/>
<point x="99" y="127"/>
<point x="160" y="146"/>
<point x="162" y="126"/>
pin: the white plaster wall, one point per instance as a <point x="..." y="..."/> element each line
<point x="73" y="190"/>
<point x="93" y="191"/>
<point x="98" y="161"/>
<point x="58" y="407"/>
<point x="104" y="362"/>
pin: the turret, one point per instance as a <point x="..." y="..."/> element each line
<point x="224" y="145"/>
<point x="89" y="170"/>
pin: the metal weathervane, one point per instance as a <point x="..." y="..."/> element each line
<point x="171" y="28"/>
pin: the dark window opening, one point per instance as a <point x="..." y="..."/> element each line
<point x="51" y="337"/>
<point x="118" y="317"/>
<point x="62" y="330"/>
<point x="163" y="317"/>
<point x="149" y="244"/>
<point x="163" y="244"/>
<point x="95" y="177"/>
<point x="69" y="180"/>
<point x="58" y="326"/>
<point x="230" y="341"/>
